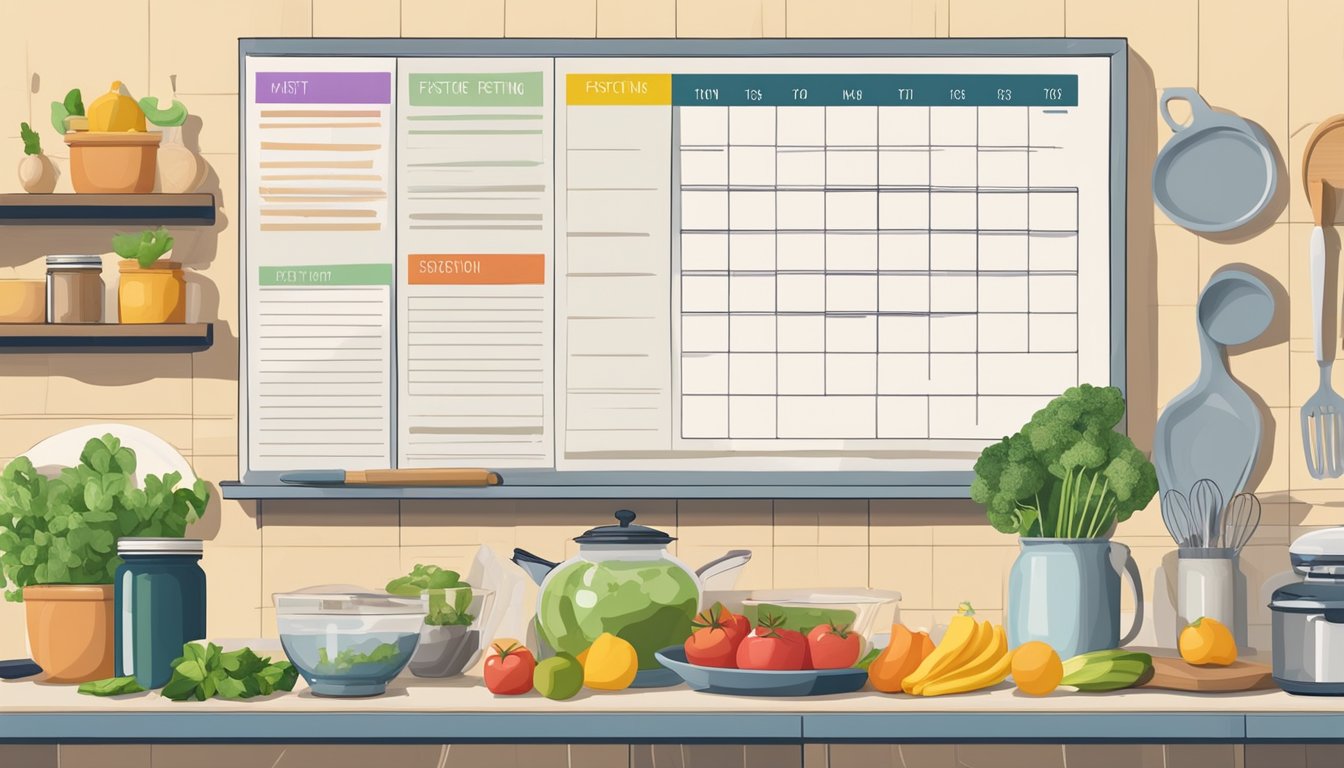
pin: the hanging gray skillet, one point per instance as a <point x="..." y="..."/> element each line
<point x="1216" y="173"/>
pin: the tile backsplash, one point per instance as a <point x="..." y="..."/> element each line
<point x="936" y="553"/>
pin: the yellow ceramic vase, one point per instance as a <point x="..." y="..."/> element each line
<point x="154" y="295"/>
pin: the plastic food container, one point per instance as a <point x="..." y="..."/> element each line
<point x="347" y="641"/>
<point x="864" y="610"/>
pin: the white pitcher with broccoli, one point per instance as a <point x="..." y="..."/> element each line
<point x="1062" y="483"/>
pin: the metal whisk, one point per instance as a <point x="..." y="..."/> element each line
<point x="1240" y="520"/>
<point x="1192" y="519"/>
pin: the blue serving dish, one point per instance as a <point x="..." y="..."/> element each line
<point x="761" y="682"/>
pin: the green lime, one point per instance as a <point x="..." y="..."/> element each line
<point x="558" y="677"/>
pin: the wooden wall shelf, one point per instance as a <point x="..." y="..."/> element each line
<point x="45" y="338"/>
<point x="65" y="209"/>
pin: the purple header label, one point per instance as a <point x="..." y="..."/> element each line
<point x="324" y="88"/>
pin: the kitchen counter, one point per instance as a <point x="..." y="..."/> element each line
<point x="461" y="710"/>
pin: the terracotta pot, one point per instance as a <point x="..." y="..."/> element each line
<point x="107" y="163"/>
<point x="23" y="301"/>
<point x="154" y="295"/>
<point x="70" y="631"/>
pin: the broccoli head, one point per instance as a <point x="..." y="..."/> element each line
<point x="1068" y="455"/>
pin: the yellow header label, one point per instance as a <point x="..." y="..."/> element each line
<point x="618" y="90"/>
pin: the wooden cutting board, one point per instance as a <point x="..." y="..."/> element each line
<point x="1176" y="675"/>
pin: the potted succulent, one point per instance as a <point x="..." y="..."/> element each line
<point x="1062" y="483"/>
<point x="58" y="548"/>
<point x="36" y="173"/>
<point x="179" y="167"/>
<point x="151" y="290"/>
<point x="448" y="642"/>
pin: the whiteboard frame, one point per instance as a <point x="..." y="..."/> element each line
<point x="672" y="484"/>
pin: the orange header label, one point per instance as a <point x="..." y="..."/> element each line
<point x="477" y="269"/>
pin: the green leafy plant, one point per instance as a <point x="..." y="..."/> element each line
<point x="1067" y="473"/>
<point x="71" y="106"/>
<point x="112" y="686"/>
<point x="32" y="143"/>
<point x="349" y="659"/>
<point x="206" y="671"/>
<point x="170" y="117"/>
<point x="145" y="248"/>
<point x="449" y="596"/>
<point x="63" y="530"/>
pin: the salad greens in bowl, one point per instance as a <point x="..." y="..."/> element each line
<point x="449" y="640"/>
<point x="348" y="642"/>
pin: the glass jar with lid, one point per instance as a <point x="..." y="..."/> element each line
<point x="74" y="289"/>
<point x="160" y="605"/>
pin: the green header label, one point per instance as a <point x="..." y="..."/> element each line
<point x="476" y="89"/>
<point x="324" y="275"/>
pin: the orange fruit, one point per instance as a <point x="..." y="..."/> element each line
<point x="1037" y="669"/>
<point x="902" y="655"/>
<point x="1207" y="642"/>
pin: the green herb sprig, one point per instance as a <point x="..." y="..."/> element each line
<point x="206" y="671"/>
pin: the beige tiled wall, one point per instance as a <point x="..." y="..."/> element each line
<point x="1271" y="63"/>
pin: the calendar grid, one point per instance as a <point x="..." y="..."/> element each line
<point x="778" y="346"/>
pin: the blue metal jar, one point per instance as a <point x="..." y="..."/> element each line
<point x="160" y="605"/>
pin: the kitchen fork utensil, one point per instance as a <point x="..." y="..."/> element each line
<point x="1240" y="520"/>
<point x="1322" y="414"/>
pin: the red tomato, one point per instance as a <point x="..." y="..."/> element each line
<point x="508" y="669"/>
<point x="771" y="646"/>
<point x="833" y="647"/>
<point x="714" y="643"/>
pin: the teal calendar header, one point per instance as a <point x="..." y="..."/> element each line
<point x="779" y="90"/>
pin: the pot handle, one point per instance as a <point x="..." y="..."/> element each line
<point x="1128" y="568"/>
<point x="1199" y="108"/>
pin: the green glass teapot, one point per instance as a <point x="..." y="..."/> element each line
<point x="622" y="581"/>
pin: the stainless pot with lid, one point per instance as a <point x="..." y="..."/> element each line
<point x="1308" y="618"/>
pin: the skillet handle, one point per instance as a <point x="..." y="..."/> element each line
<point x="1198" y="107"/>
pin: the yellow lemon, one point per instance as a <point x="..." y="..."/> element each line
<point x="1207" y="642"/>
<point x="610" y="663"/>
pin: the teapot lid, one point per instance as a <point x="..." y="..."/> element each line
<point x="625" y="533"/>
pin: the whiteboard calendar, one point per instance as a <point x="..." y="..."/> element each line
<point x="675" y="257"/>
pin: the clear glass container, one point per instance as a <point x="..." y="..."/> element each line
<point x="74" y="289"/>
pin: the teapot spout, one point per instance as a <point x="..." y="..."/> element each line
<point x="536" y="567"/>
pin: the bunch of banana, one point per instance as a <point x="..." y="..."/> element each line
<point x="971" y="656"/>
<point x="1106" y="670"/>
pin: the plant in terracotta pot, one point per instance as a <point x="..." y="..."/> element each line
<point x="58" y="548"/>
<point x="152" y="289"/>
<point x="1062" y="483"/>
<point x="36" y="173"/>
<point x="116" y="154"/>
<point x="179" y="167"/>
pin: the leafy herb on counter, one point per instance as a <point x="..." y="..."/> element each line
<point x="437" y="582"/>
<point x="206" y="671"/>
<point x="350" y="658"/>
<point x="112" y="686"/>
<point x="63" y="530"/>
